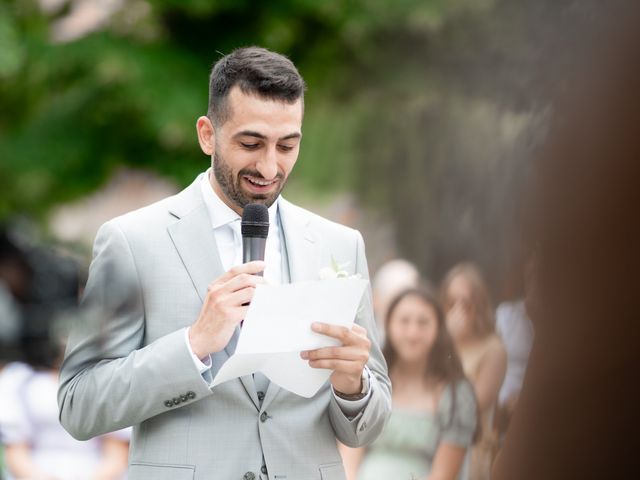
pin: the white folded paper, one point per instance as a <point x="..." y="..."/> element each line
<point x="278" y="327"/>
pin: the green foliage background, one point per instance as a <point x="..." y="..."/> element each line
<point x="425" y="108"/>
<point x="129" y="95"/>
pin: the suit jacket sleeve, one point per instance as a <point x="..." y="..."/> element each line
<point x="367" y="425"/>
<point x="108" y="379"/>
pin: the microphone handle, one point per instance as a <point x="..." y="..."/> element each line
<point x="253" y="248"/>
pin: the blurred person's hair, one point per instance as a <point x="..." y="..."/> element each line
<point x="482" y="305"/>
<point x="255" y="71"/>
<point x="15" y="270"/>
<point x="395" y="275"/>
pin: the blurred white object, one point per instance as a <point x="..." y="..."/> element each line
<point x="277" y="328"/>
<point x="29" y="414"/>
<point x="516" y="331"/>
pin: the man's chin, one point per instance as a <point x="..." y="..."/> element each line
<point x="266" y="199"/>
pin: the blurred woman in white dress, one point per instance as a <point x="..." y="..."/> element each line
<point x="36" y="446"/>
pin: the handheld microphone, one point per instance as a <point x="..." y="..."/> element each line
<point x="255" y="229"/>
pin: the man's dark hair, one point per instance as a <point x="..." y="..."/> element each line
<point x="255" y="70"/>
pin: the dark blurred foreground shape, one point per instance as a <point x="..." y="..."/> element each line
<point x="578" y="414"/>
<point x="38" y="286"/>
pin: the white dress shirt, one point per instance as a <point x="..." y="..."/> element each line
<point x="226" y="228"/>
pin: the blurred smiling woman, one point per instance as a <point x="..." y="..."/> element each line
<point x="433" y="418"/>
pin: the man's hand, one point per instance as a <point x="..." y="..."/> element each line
<point x="346" y="361"/>
<point x="224" y="307"/>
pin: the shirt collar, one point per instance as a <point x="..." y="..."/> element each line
<point x="219" y="212"/>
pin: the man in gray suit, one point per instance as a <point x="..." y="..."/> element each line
<point x="151" y="362"/>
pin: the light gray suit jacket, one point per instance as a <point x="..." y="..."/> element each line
<point x="131" y="365"/>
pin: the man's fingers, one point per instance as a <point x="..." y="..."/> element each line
<point x="341" y="366"/>
<point x="250" y="268"/>
<point x="354" y="336"/>
<point x="240" y="297"/>
<point x="343" y="334"/>
<point x="359" y="330"/>
<point x="337" y="353"/>
<point x="213" y="287"/>
<point x="241" y="281"/>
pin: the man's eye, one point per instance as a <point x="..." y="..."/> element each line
<point x="250" y="146"/>
<point x="286" y="148"/>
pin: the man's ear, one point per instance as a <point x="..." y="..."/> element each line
<point x="206" y="135"/>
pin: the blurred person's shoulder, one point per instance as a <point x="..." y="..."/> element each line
<point x="461" y="388"/>
<point x="494" y="347"/>
<point x="458" y="403"/>
<point x="493" y="341"/>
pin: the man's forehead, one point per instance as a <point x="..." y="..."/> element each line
<point x="249" y="111"/>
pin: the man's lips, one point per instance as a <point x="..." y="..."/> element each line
<point x="259" y="184"/>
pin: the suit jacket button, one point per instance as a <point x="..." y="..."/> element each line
<point x="184" y="398"/>
<point x="176" y="400"/>
<point x="249" y="476"/>
<point x="191" y="395"/>
<point x="263" y="469"/>
<point x="264" y="416"/>
<point x="168" y="403"/>
<point x="260" y="396"/>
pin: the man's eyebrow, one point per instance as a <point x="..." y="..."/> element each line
<point x="251" y="133"/>
<point x="291" y="135"/>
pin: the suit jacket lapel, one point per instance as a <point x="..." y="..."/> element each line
<point x="193" y="237"/>
<point x="195" y="242"/>
<point x="301" y="249"/>
<point x="300" y="243"/>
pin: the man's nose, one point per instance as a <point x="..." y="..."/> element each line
<point x="268" y="164"/>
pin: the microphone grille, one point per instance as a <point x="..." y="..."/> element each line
<point x="255" y="221"/>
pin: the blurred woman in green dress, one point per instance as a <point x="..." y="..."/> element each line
<point x="433" y="420"/>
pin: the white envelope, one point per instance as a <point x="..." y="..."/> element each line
<point x="278" y="326"/>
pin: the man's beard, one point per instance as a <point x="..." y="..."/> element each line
<point x="231" y="186"/>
